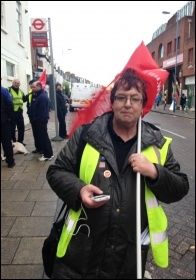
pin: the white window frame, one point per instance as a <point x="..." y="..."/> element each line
<point x="19" y="21"/>
<point x="13" y="69"/>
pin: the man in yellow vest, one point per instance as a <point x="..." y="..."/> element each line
<point x="18" y="98"/>
<point x="101" y="158"/>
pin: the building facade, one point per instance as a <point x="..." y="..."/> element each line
<point x="173" y="48"/>
<point x="15" y="46"/>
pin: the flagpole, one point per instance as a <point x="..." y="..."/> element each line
<point x="57" y="137"/>
<point x="138" y="207"/>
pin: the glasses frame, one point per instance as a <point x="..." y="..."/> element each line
<point x="133" y="100"/>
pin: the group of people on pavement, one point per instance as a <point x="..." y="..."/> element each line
<point x="38" y="107"/>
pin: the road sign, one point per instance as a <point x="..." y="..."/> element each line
<point x="38" y="24"/>
<point x="39" y="40"/>
<point x="39" y="33"/>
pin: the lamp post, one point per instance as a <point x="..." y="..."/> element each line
<point x="176" y="59"/>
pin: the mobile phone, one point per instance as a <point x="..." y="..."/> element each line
<point x="99" y="198"/>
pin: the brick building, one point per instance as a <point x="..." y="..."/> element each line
<point x="182" y="62"/>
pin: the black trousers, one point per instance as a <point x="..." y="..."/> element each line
<point x="18" y="121"/>
<point x="35" y="131"/>
<point x="62" y="125"/>
<point x="43" y="139"/>
<point x="6" y="141"/>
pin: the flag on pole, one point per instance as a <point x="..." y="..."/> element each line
<point x="146" y="68"/>
<point x="42" y="79"/>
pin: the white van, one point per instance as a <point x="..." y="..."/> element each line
<point x="81" y="96"/>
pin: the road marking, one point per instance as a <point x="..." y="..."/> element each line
<point x="172" y="132"/>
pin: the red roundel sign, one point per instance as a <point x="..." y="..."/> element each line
<point x="38" y="24"/>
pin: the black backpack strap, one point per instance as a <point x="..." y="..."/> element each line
<point x="61" y="211"/>
<point x="81" y="146"/>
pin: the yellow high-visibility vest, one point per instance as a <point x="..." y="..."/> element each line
<point x="30" y="96"/>
<point x="73" y="216"/>
<point x="157" y="220"/>
<point x="17" y="99"/>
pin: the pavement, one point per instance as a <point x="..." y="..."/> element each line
<point x="179" y="113"/>
<point x="28" y="208"/>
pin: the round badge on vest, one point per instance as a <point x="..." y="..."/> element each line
<point x="107" y="174"/>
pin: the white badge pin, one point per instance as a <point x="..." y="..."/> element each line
<point x="107" y="173"/>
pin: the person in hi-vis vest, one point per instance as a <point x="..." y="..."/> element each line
<point x="101" y="158"/>
<point x="18" y="98"/>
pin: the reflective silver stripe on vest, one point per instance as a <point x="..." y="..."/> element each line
<point x="157" y="152"/>
<point x="152" y="203"/>
<point x="158" y="237"/>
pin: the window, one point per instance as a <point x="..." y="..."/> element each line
<point x="3" y="14"/>
<point x="161" y="51"/>
<point x="10" y="69"/>
<point x="169" y="48"/>
<point x="153" y="55"/>
<point x="190" y="55"/>
<point x="178" y="44"/>
<point x="19" y="21"/>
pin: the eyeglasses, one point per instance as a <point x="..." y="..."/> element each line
<point x="123" y="99"/>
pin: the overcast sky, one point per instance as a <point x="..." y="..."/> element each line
<point x="102" y="35"/>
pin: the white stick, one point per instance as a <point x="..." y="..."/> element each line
<point x="138" y="208"/>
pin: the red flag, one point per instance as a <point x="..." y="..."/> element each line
<point x="42" y="79"/>
<point x="146" y="68"/>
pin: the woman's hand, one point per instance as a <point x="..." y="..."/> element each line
<point x="141" y="164"/>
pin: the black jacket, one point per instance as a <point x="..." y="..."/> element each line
<point x="7" y="108"/>
<point x="41" y="107"/>
<point x="110" y="252"/>
<point x="61" y="108"/>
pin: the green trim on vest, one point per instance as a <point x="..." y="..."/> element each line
<point x="67" y="232"/>
<point x="157" y="220"/>
<point x="87" y="165"/>
<point x="87" y="170"/>
<point x="30" y="97"/>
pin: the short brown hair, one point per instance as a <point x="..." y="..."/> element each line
<point x="127" y="80"/>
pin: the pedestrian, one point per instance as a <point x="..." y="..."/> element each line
<point x="40" y="119"/>
<point x="183" y="101"/>
<point x="7" y="112"/>
<point x="165" y="98"/>
<point x="61" y="112"/>
<point x="30" y="108"/>
<point x="101" y="158"/>
<point x="18" y="98"/>
<point x="158" y="98"/>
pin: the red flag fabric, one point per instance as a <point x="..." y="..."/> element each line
<point x="146" y="68"/>
<point x="42" y="79"/>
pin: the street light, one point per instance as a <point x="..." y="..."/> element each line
<point x="176" y="59"/>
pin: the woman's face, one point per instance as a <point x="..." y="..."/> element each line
<point x="127" y="107"/>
